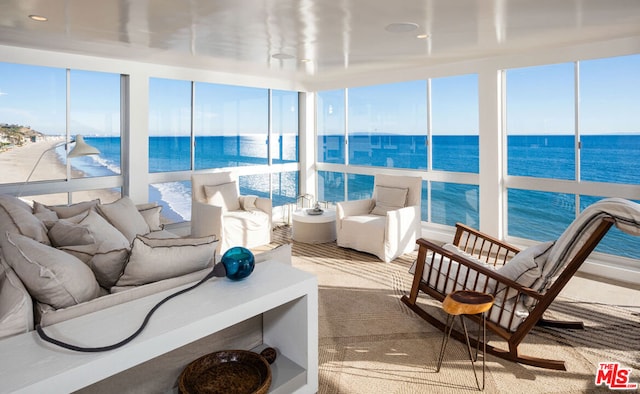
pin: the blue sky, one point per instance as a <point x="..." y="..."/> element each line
<point x="539" y="101"/>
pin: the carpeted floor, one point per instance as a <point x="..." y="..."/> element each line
<point x="370" y="342"/>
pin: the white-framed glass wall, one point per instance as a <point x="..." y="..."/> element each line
<point x="423" y="125"/>
<point x="41" y="107"/>
<point x="559" y="138"/>
<point x="572" y="133"/>
<point x="489" y="181"/>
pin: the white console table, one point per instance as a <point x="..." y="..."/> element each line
<point x="286" y="297"/>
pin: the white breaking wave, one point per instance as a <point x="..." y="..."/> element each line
<point x="108" y="164"/>
<point x="177" y="196"/>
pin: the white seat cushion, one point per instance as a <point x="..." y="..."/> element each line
<point x="359" y="232"/>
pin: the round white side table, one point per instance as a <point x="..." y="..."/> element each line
<point x="314" y="229"/>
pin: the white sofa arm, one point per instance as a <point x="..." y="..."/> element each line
<point x="205" y="219"/>
<point x="401" y="230"/>
<point x="264" y="204"/>
<point x="402" y="221"/>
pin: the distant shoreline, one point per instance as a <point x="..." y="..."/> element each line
<point x="18" y="161"/>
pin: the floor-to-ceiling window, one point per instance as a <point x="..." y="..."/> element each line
<point x="454" y="148"/>
<point x="228" y="127"/>
<point x="570" y="124"/>
<point x="40" y="109"/>
<point x="284" y="143"/>
<point x="610" y="134"/>
<point x="422" y="125"/>
<point x="540" y="114"/>
<point x="170" y="145"/>
<point x="387" y="125"/>
<point x="330" y="146"/>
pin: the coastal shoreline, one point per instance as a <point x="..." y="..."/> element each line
<point x="17" y="162"/>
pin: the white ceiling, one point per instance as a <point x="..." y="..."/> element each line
<point x="338" y="37"/>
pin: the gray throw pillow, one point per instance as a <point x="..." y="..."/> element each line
<point x="66" y="211"/>
<point x="108" y="255"/>
<point x="16" y="307"/>
<point x="389" y="199"/>
<point x="124" y="216"/>
<point x="153" y="259"/>
<point x="50" y="275"/>
<point x="66" y="233"/>
<point x="17" y="216"/>
<point x="151" y="215"/>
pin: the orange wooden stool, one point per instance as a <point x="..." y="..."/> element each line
<point x="460" y="303"/>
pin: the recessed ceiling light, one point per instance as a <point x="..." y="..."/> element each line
<point x="282" y="56"/>
<point x="305" y="60"/>
<point x="423" y="36"/>
<point x="38" y="18"/>
<point x="401" y="27"/>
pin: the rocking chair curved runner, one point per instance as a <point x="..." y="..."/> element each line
<point x="523" y="283"/>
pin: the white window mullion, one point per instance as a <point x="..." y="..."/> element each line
<point x="578" y="143"/>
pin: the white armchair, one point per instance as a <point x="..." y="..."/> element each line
<point x="217" y="208"/>
<point x="386" y="225"/>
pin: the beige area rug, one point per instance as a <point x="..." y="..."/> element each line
<point x="370" y="342"/>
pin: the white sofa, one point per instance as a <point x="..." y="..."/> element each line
<point x="61" y="262"/>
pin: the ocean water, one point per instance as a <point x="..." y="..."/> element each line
<point x="532" y="214"/>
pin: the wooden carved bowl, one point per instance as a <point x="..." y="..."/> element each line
<point x="228" y="372"/>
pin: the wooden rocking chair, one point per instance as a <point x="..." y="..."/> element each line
<point x="475" y="264"/>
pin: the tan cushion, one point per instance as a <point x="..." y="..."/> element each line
<point x="16" y="307"/>
<point x="161" y="234"/>
<point x="43" y="213"/>
<point x="157" y="259"/>
<point x="108" y="255"/>
<point x="119" y="295"/>
<point x="51" y="276"/>
<point x="66" y="211"/>
<point x="17" y="216"/>
<point x="151" y="215"/>
<point x="124" y="216"/>
<point x="65" y="233"/>
<point x="281" y="254"/>
<point x="224" y="195"/>
<point x="389" y="199"/>
<point x="248" y="203"/>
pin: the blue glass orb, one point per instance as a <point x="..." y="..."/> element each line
<point x="239" y="262"/>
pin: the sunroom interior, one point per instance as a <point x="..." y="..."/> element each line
<point x="343" y="80"/>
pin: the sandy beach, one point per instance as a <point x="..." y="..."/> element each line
<point x="16" y="164"/>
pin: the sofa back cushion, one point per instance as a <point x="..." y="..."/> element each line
<point x="66" y="233"/>
<point x="151" y="214"/>
<point x="66" y="211"/>
<point x="17" y="216"/>
<point x="124" y="216"/>
<point x="51" y="276"/>
<point x="108" y="255"/>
